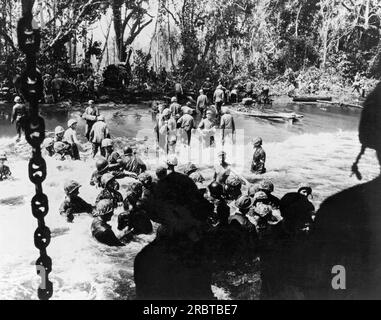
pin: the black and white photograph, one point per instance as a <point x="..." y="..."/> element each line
<point x="190" y="150"/>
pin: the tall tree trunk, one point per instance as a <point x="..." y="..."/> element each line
<point x="325" y="46"/>
<point x="118" y="29"/>
<point x="170" y="47"/>
<point x="297" y="21"/>
<point x="105" y="45"/>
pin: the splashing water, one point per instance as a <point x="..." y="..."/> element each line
<point x="85" y="269"/>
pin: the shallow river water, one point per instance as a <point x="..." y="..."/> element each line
<point x="320" y="149"/>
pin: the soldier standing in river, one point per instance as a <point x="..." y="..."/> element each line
<point x="18" y="114"/>
<point x="218" y="98"/>
<point x="207" y="87"/>
<point x="202" y="103"/>
<point x="259" y="157"/>
<point x="90" y="115"/>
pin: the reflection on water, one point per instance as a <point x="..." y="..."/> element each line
<point x="319" y="149"/>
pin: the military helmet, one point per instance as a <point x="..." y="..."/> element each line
<point x="257" y="142"/>
<point x="172" y="160"/>
<point x="127" y="151"/>
<point x="225" y="110"/>
<point x="221" y="153"/>
<point x="172" y="140"/>
<point x="101" y="164"/>
<point x="106" y="179"/>
<point x="233" y="181"/>
<point x="136" y="187"/>
<point x="59" y="147"/>
<point x="107" y="143"/>
<point x="197" y="177"/>
<point x="266" y="186"/>
<point x="71" y="122"/>
<point x="166" y="112"/>
<point x="59" y="130"/>
<point x="145" y="178"/>
<point x="244" y="203"/>
<point x="3" y="156"/>
<point x="216" y="190"/>
<point x="101" y="118"/>
<point x="305" y="186"/>
<point x="48" y="142"/>
<point x="71" y="186"/>
<point x="173" y="99"/>
<point x="104" y="207"/>
<point x="191" y="167"/>
<point x="259" y="197"/>
<point x="161" y="171"/>
<point x="17" y="99"/>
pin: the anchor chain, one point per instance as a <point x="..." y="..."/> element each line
<point x="31" y="88"/>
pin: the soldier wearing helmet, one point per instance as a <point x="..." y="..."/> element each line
<point x="172" y="142"/>
<point x="233" y="187"/>
<point x="192" y="172"/>
<point x="100" y="229"/>
<point x="161" y="172"/>
<point x="110" y="190"/>
<point x="70" y="137"/>
<point x="18" y="115"/>
<point x="102" y="166"/>
<point x="90" y="115"/>
<point x="241" y="240"/>
<point x="98" y="133"/>
<point x="172" y="163"/>
<point x="135" y="222"/>
<point x="243" y="205"/>
<point x="61" y="151"/>
<point x="227" y="125"/>
<point x="259" y="157"/>
<point x="268" y="187"/>
<point x="221" y="211"/>
<point x="48" y="144"/>
<point x="207" y="87"/>
<point x="166" y="128"/>
<point x="179" y="90"/>
<point x="58" y="133"/>
<point x="5" y="172"/>
<point x="146" y="179"/>
<point x="133" y="163"/>
<point x="202" y="103"/>
<point x="298" y="212"/>
<point x="73" y="204"/>
<point x="218" y="98"/>
<point x="222" y="170"/>
<point x="207" y="128"/>
<point x="175" y="107"/>
<point x="264" y="213"/>
<point x="113" y="157"/>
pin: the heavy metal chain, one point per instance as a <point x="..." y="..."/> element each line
<point x="31" y="88"/>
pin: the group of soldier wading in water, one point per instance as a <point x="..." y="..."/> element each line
<point x="204" y="228"/>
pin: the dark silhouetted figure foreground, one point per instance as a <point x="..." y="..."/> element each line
<point x="174" y="265"/>
<point x="347" y="229"/>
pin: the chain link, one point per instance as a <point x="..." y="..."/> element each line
<point x="34" y="127"/>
